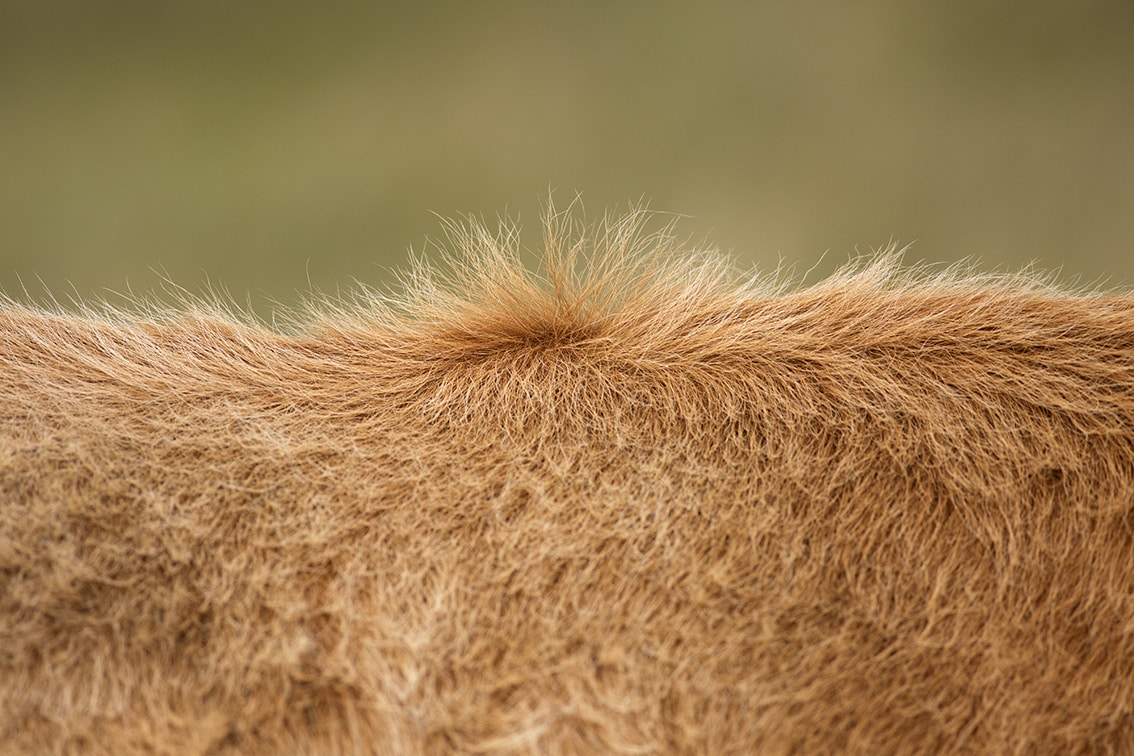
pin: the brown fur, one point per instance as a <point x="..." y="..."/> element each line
<point x="628" y="506"/>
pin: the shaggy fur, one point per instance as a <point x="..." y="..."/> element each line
<point x="627" y="505"/>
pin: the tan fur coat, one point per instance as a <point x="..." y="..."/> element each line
<point x="627" y="505"/>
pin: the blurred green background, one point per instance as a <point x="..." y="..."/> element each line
<point x="273" y="147"/>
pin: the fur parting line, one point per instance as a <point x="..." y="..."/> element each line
<point x="626" y="504"/>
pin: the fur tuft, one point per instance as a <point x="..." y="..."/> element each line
<point x="624" y="504"/>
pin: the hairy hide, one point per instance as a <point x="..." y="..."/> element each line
<point x="625" y="505"/>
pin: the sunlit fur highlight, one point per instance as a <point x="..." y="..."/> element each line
<point x="627" y="504"/>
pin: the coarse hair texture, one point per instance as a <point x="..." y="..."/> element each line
<point x="629" y="503"/>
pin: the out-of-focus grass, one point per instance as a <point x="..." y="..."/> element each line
<point x="272" y="147"/>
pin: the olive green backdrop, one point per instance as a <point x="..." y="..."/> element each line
<point x="272" y="147"/>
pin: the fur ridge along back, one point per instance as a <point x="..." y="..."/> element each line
<point x="626" y="504"/>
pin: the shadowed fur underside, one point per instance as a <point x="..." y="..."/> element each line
<point x="625" y="504"/>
